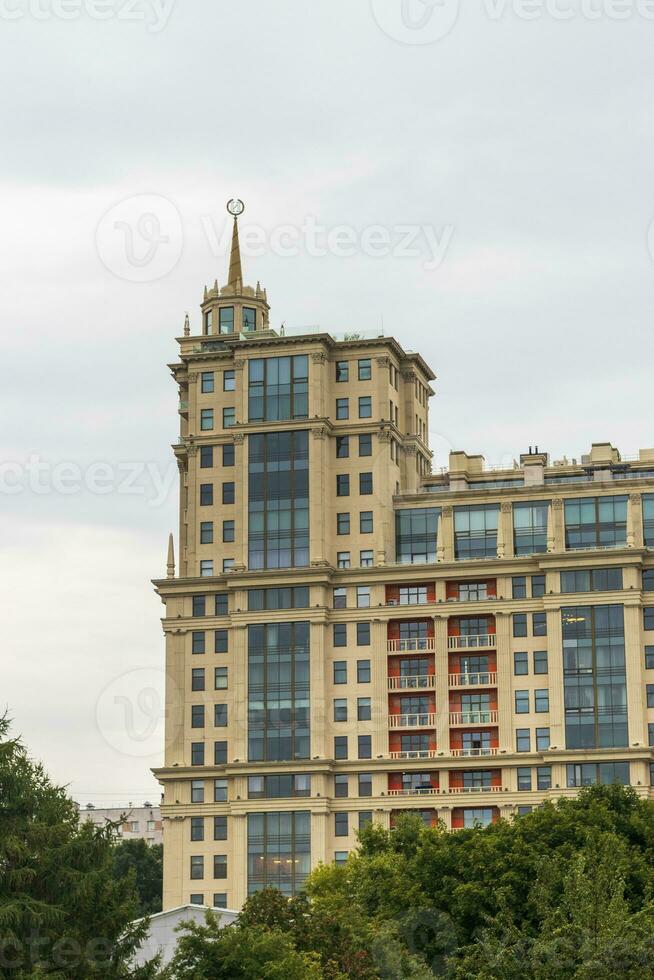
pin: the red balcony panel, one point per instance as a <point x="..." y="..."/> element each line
<point x="395" y="663"/>
<point x="452" y="588"/>
<point x="457" y="703"/>
<point x="395" y="704"/>
<point x="394" y="624"/>
<point x="395" y="741"/>
<point x="455" y="662"/>
<point x="393" y="591"/>
<point x="458" y="816"/>
<point x="395" y="781"/>
<point x="457" y="778"/>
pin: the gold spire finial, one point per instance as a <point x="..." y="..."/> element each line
<point x="235" y="207"/>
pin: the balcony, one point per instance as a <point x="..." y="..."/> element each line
<point x="483" y="717"/>
<point x="425" y="719"/>
<point x="472" y="753"/>
<point x="414" y="644"/>
<point x="485" y="679"/>
<point x="414" y="682"/>
<point x="475" y="789"/>
<point x="414" y="754"/>
<point x="419" y="791"/>
<point x="473" y="641"/>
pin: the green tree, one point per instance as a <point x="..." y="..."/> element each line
<point x="144" y="863"/>
<point x="207" y="952"/>
<point x="62" y="913"/>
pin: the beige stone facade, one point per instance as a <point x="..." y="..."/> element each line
<point x="464" y="645"/>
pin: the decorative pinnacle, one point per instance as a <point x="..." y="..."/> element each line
<point x="170" y="564"/>
<point x="235" y="207"/>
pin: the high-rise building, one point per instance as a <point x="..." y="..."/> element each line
<point x="350" y="635"/>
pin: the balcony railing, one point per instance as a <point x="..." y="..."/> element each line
<point x="472" y="753"/>
<point x="473" y="641"/>
<point x="413" y="644"/>
<point x="423" y="719"/>
<point x="475" y="789"/>
<point x="484" y="679"/>
<point x="414" y="754"/>
<point x="417" y="791"/>
<point x="483" y="717"/>
<point x="414" y="682"/>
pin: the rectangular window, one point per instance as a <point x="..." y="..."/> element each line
<point x="523" y="740"/>
<point x="228" y="530"/>
<point x="341" y="786"/>
<point x="648" y="580"/>
<point x="340" y="747"/>
<point x="278" y="500"/>
<point x="220" y="716"/>
<point x="520" y="663"/>
<point x="365" y="746"/>
<point x="363" y="634"/>
<point x="342" y="371"/>
<point x="595" y="522"/>
<point x="648" y="519"/>
<point x="540" y="662"/>
<point x="542" y="700"/>
<point x="649" y="658"/>
<point x="648" y="618"/>
<point x="366" y="522"/>
<point x="197" y="828"/>
<point x="279" y="851"/>
<point x="197" y="753"/>
<point x="343" y="485"/>
<point x="365" y="445"/>
<point x="197" y="867"/>
<point x="590" y="773"/>
<point x="341" y="828"/>
<point x="519" y="624"/>
<point x="339" y="597"/>
<point x="365" y="817"/>
<point x="199" y="605"/>
<point x="197" y="679"/>
<point x="591" y="580"/>
<point x="220" y="753"/>
<point x="365" y="484"/>
<point x="249" y="319"/>
<point x="228" y="493"/>
<point x="197" y="716"/>
<point x="537" y="586"/>
<point x="278" y="692"/>
<point x="226" y="319"/>
<point x="220" y="791"/>
<point x="524" y="778"/>
<point x="342" y="408"/>
<point x="363" y="671"/>
<point x="340" y="709"/>
<point x="475" y="531"/>
<point x="530" y="527"/>
<point x="197" y="791"/>
<point x="221" y="604"/>
<point x="229" y="454"/>
<point x="343" y="559"/>
<point x="519" y="587"/>
<point x="594" y="676"/>
<point x="220" y="678"/>
<point x="278" y="388"/>
<point x="278" y="787"/>
<point x="416" y="535"/>
<point x="650" y="695"/>
<point x="363" y="597"/>
<point x="342" y="447"/>
<point x="366" y="559"/>
<point x="522" y="702"/>
<point x="229" y="417"/>
<point x="206" y="419"/>
<point x="220" y="866"/>
<point x="340" y="672"/>
<point x="364" y="709"/>
<point x="198" y="638"/>
<point x="220" y="828"/>
<point x="229" y="380"/>
<point x="206" y="494"/>
<point x="542" y="739"/>
<point x="206" y="532"/>
<point x="342" y="523"/>
<point x="206" y="568"/>
<point x="340" y="634"/>
<point x="207" y="382"/>
<point x="206" y="457"/>
<point x="221" y="641"/>
<point x="365" y="369"/>
<point x="539" y="624"/>
<point x="365" y="407"/>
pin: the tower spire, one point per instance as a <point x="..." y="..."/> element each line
<point x="170" y="564"/>
<point x="235" y="208"/>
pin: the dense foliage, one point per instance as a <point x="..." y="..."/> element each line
<point x="145" y="863"/>
<point x="63" y="914"/>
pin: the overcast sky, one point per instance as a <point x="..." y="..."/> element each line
<point x="481" y="184"/>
